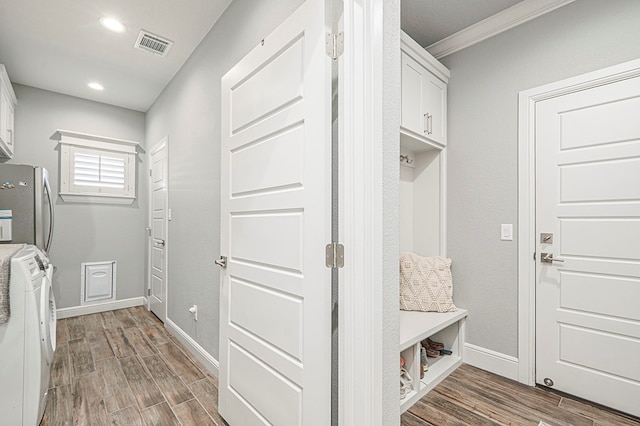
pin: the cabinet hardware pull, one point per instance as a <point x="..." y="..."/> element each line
<point x="429" y="124"/>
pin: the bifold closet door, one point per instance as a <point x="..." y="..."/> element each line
<point x="275" y="313"/>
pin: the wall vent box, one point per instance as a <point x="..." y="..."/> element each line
<point x="6" y="217"/>
<point x="98" y="282"/>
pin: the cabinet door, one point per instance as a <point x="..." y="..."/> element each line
<point x="413" y="76"/>
<point x="434" y="108"/>
<point x="4" y="106"/>
<point x="423" y="101"/>
<point x="10" y="125"/>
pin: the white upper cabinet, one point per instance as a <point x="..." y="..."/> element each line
<point x="424" y="96"/>
<point x="7" y="113"/>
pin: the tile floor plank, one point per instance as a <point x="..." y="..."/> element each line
<point x="442" y="412"/>
<point x="125" y="318"/>
<point x="159" y="415"/>
<point x="100" y="347"/>
<point x="88" y="401"/>
<point x="170" y="385"/>
<point x="109" y="321"/>
<point x="92" y="323"/>
<point x="117" y="392"/>
<point x="192" y="413"/>
<point x="59" y="408"/>
<point x="60" y="373"/>
<point x="180" y="363"/>
<point x="139" y="341"/>
<point x="498" y="403"/>
<point x="207" y="394"/>
<point x="75" y="327"/>
<point x="143" y="317"/>
<point x="142" y="385"/>
<point x="599" y="416"/>
<point x="80" y="357"/>
<point x="409" y="419"/>
<point x="129" y="416"/>
<point x="156" y="335"/>
<point x="533" y="404"/>
<point x="62" y="332"/>
<point x="120" y="343"/>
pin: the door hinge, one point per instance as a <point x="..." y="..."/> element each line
<point x="335" y="45"/>
<point x="334" y="255"/>
<point x="148" y="292"/>
<point x="534" y="255"/>
<point x="150" y="172"/>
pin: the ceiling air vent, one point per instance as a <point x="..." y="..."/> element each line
<point x="153" y="43"/>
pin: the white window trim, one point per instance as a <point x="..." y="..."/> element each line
<point x="70" y="142"/>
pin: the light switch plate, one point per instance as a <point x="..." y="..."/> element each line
<point x="506" y="232"/>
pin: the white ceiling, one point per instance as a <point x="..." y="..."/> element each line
<point x="59" y="45"/>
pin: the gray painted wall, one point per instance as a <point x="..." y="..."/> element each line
<point x="188" y="111"/>
<point x="84" y="232"/>
<point x="482" y="152"/>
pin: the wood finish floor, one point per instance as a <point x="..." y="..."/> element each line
<point x="123" y="368"/>
<point x="470" y="396"/>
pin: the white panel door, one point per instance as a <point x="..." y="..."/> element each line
<point x="158" y="247"/>
<point x="275" y="313"/>
<point x="588" y="196"/>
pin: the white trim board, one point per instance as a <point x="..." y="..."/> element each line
<point x="491" y="361"/>
<point x="515" y="15"/>
<point x="368" y="394"/>
<point x="526" y="198"/>
<point x="76" y="311"/>
<point x="209" y="362"/>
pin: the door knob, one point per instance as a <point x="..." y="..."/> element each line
<point x="159" y="243"/>
<point x="222" y="262"/>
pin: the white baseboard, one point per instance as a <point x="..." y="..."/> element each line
<point x="210" y="363"/>
<point x="75" y="311"/>
<point x="494" y="362"/>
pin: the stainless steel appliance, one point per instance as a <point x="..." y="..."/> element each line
<point x="25" y="191"/>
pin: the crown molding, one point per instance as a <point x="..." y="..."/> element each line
<point x="515" y="15"/>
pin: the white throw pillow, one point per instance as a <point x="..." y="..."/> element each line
<point x="426" y="283"/>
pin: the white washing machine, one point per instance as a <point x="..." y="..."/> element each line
<point x="27" y="340"/>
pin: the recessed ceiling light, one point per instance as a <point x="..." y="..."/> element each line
<point x="96" y="86"/>
<point x="113" y="24"/>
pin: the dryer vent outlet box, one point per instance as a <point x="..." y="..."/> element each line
<point x="98" y="282"/>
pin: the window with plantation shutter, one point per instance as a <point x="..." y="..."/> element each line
<point x="97" y="169"/>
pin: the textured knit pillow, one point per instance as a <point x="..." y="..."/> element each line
<point x="426" y="284"/>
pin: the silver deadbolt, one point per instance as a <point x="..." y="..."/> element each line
<point x="222" y="262"/>
<point x="546" y="238"/>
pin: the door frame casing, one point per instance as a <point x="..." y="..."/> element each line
<point x="163" y="142"/>
<point x="526" y="199"/>
<point x="369" y="169"/>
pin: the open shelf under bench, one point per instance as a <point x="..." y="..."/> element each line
<point x="447" y="328"/>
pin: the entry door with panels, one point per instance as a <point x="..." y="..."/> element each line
<point x="588" y="250"/>
<point x="275" y="312"/>
<point x="158" y="250"/>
